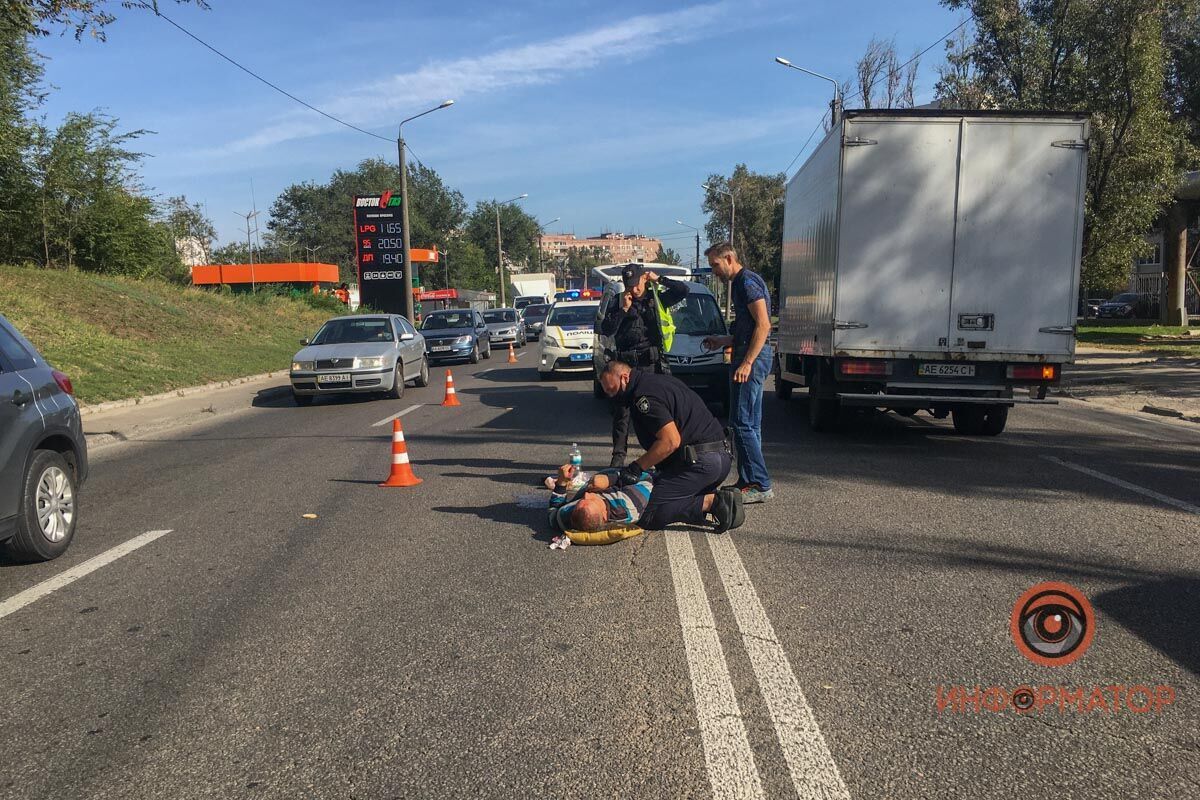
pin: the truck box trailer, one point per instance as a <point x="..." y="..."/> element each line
<point x="532" y="288"/>
<point x="931" y="262"/>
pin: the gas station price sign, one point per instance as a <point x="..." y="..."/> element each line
<point x="379" y="248"/>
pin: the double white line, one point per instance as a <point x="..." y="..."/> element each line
<point x="731" y="768"/>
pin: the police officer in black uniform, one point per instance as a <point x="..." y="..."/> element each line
<point x="684" y="443"/>
<point x="632" y="322"/>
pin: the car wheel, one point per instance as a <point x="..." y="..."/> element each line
<point x="302" y="400"/>
<point x="49" y="511"/>
<point x="475" y="354"/>
<point x="487" y="353"/>
<point x="397" y="390"/>
<point x="423" y="379"/>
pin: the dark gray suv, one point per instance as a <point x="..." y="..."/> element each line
<point x="43" y="455"/>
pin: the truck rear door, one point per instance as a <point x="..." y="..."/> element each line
<point x="896" y="242"/>
<point x="1020" y="217"/>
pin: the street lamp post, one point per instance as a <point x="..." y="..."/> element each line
<point x="312" y="251"/>
<point x="249" y="247"/>
<point x="408" y="287"/>
<point x="697" y="230"/>
<point x="500" y="245"/>
<point x="835" y="106"/>
<point x="542" y="230"/>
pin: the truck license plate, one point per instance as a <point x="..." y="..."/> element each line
<point x="947" y="370"/>
<point x="334" y="377"/>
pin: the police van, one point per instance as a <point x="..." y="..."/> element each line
<point x="697" y="317"/>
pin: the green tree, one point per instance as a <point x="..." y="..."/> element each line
<point x="38" y="17"/>
<point x="318" y="215"/>
<point x="668" y="256"/>
<point x="1107" y="57"/>
<point x="518" y="230"/>
<point x="759" y="206"/>
<point x="20" y="94"/>
<point x="469" y="269"/>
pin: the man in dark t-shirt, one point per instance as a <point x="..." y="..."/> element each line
<point x="749" y="367"/>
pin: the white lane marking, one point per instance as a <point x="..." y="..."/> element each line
<point x="386" y="420"/>
<point x="814" y="772"/>
<point x="1133" y="487"/>
<point x="22" y="599"/>
<point x="731" y="768"/>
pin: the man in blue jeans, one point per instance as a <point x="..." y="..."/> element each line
<point x="750" y="366"/>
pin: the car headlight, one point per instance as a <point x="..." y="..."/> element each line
<point x="550" y="340"/>
<point x="374" y="362"/>
<point x="510" y="332"/>
<point x="463" y="340"/>
<point x="303" y="366"/>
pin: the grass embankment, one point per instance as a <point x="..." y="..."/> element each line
<point x="1161" y="340"/>
<point x="119" y="338"/>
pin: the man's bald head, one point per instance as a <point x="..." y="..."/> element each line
<point x="589" y="514"/>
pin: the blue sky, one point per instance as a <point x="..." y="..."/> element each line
<point x="608" y="115"/>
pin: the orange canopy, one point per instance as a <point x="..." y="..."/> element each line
<point x="215" y="274"/>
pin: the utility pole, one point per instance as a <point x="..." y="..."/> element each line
<point x="312" y="251"/>
<point x="249" y="215"/>
<point x="697" y="230"/>
<point x="500" y="245"/>
<point x="407" y="274"/>
<point x="446" y="257"/>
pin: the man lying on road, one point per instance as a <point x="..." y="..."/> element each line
<point x="602" y="503"/>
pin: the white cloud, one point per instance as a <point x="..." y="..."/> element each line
<point x="532" y="64"/>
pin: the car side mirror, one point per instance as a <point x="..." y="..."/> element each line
<point x="304" y="342"/>
<point x="407" y="337"/>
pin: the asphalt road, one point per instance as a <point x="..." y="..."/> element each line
<point x="425" y="642"/>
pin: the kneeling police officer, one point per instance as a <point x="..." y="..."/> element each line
<point x="632" y="322"/>
<point x="686" y="444"/>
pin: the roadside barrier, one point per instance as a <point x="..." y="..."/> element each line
<point x="402" y="474"/>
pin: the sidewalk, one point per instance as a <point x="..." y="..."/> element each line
<point x="1130" y="381"/>
<point x="106" y="425"/>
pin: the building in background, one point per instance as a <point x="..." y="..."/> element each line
<point x="613" y="248"/>
<point x="193" y="251"/>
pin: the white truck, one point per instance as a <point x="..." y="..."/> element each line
<point x="532" y="288"/>
<point x="931" y="262"/>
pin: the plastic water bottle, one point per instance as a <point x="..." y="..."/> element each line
<point x="579" y="478"/>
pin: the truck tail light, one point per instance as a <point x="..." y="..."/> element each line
<point x="1033" y="372"/>
<point x="63" y="382"/>
<point x="879" y="368"/>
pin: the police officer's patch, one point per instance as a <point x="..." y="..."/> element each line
<point x="643" y="404"/>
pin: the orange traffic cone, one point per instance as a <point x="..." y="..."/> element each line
<point x="402" y="474"/>
<point x="512" y="357"/>
<point x="451" y="396"/>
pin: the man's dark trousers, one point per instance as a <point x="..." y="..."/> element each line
<point x="678" y="494"/>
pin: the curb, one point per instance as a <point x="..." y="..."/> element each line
<point x="110" y="405"/>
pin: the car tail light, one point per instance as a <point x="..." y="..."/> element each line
<point x="1033" y="372"/>
<point x="881" y="368"/>
<point x="63" y="382"/>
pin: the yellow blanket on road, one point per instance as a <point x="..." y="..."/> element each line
<point x="609" y="535"/>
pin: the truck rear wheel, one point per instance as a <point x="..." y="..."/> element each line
<point x="822" y="409"/>
<point x="980" y="420"/>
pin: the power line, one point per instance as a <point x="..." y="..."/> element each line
<point x="940" y="39"/>
<point x="258" y="77"/>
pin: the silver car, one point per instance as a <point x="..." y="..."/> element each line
<point x="357" y="355"/>
<point x="505" y="326"/>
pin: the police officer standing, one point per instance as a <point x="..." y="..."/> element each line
<point x="632" y="322"/>
<point x="686" y="444"/>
